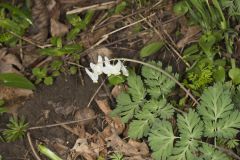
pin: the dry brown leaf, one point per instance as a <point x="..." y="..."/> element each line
<point x="117" y="90"/>
<point x="40" y="18"/>
<point x="82" y="148"/>
<point x="102" y="52"/>
<point x="58" y="29"/>
<point x="126" y="149"/>
<point x="8" y="93"/>
<point x="85" y="113"/>
<point x="115" y="121"/>
<point x="189" y="36"/>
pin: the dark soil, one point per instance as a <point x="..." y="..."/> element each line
<point x="48" y="105"/>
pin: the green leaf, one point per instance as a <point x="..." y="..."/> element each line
<point x="16" y="129"/>
<point x="16" y="11"/>
<point x="180" y="8"/>
<point x="125" y="107"/>
<point x="48" y="81"/>
<point x="67" y="49"/>
<point x="216" y="107"/>
<point x="15" y="80"/>
<point x="116" y="79"/>
<point x="138" y="129"/>
<point x="120" y="7"/>
<point x="72" y="34"/>
<point x="73" y="70"/>
<point x="151" y="48"/>
<point x="160" y="107"/>
<point x="234" y="74"/>
<point x="228" y="127"/>
<point x="47" y="152"/>
<point x="190" y="125"/>
<point x="56" y="65"/>
<point x="2" y="110"/>
<point x="2" y="102"/>
<point x="161" y="139"/>
<point x="209" y="153"/>
<point x="219" y="74"/>
<point x="56" y="41"/>
<point x="157" y="83"/>
<point x="136" y="87"/>
<point x="88" y="17"/>
<point x="206" y="42"/>
<point x="184" y="150"/>
<point x="39" y="73"/>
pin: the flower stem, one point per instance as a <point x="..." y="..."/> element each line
<point x="163" y="72"/>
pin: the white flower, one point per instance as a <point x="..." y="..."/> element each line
<point x="124" y="70"/>
<point x="111" y="69"/>
<point x="97" y="68"/>
<point x="107" y="68"/>
<point x="92" y="75"/>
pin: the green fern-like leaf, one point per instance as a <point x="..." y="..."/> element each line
<point x="209" y="153"/>
<point x="190" y="125"/>
<point x="217" y="110"/>
<point x="128" y="103"/>
<point x="157" y="83"/>
<point x="184" y="149"/>
<point x="136" y="88"/>
<point x="160" y="107"/>
<point x="138" y="129"/>
<point x="161" y="139"/>
<point x="190" y="128"/>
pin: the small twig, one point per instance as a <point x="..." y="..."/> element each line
<point x="31" y="146"/>
<point x="26" y="39"/>
<point x="75" y="64"/>
<point x="95" y="93"/>
<point x="161" y="37"/>
<point x="59" y="124"/>
<point x="100" y="6"/>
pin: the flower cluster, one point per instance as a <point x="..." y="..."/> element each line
<point x="107" y="68"/>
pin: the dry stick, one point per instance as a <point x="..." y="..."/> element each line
<point x="98" y="89"/>
<point x="100" y="6"/>
<point x="163" y="72"/>
<point x="31" y="146"/>
<point x="160" y="36"/>
<point x="132" y="14"/>
<point x="105" y="37"/>
<point x="59" y="124"/>
<point x="26" y="39"/>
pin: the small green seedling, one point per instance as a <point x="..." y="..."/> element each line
<point x="16" y="129"/>
<point x="41" y="75"/>
<point x="47" y="152"/>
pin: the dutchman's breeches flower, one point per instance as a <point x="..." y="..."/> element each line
<point x="107" y="68"/>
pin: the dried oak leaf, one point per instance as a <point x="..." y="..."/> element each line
<point x="131" y="148"/>
<point x="40" y="17"/>
<point x="58" y="29"/>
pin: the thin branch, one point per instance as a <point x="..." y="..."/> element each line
<point x="31" y="146"/>
<point x="98" y="89"/>
<point x="100" y="6"/>
<point x="163" y="72"/>
<point x="26" y="40"/>
<point x="60" y="124"/>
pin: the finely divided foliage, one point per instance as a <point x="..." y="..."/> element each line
<point x="145" y="106"/>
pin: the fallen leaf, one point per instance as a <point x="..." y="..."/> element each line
<point x="102" y="52"/>
<point x="115" y="122"/>
<point x="190" y="35"/>
<point x="127" y="149"/>
<point x="82" y="148"/>
<point x="117" y="89"/>
<point x="85" y="113"/>
<point x="58" y="29"/>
